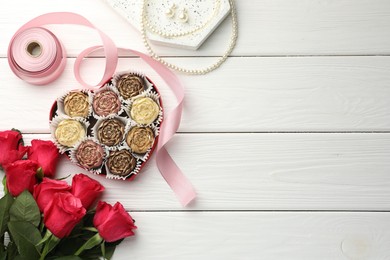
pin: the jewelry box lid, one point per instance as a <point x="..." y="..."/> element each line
<point x="187" y="25"/>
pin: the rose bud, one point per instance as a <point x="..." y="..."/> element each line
<point x="113" y="223"/>
<point x="10" y="149"/>
<point x="44" y="192"/>
<point x="86" y="189"/>
<point x="21" y="176"/>
<point x="45" y="153"/>
<point x="63" y="213"/>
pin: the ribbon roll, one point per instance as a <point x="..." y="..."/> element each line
<point x="37" y="56"/>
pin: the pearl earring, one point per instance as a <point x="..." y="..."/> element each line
<point x="183" y="16"/>
<point x="170" y="12"/>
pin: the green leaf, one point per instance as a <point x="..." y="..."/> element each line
<point x="103" y="248"/>
<point x="12" y="251"/>
<point x="4" y="181"/>
<point x="3" y="254"/>
<point x="25" y="209"/>
<point x="92" y="242"/>
<point x="109" y="251"/>
<point x="51" y="243"/>
<point x="26" y="236"/>
<point x="47" y="236"/>
<point x="5" y="205"/>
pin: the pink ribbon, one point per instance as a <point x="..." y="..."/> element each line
<point x="25" y="68"/>
<point x="49" y="66"/>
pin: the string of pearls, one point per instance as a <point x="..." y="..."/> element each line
<point x="210" y="68"/>
<point x="154" y="30"/>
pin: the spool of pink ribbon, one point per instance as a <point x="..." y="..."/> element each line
<point x="37" y="56"/>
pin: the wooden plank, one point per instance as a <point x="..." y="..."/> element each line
<point x="264" y="172"/>
<point x="246" y="95"/>
<point x="255" y="235"/>
<point x="266" y="27"/>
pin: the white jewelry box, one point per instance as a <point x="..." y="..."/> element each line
<point x="209" y="13"/>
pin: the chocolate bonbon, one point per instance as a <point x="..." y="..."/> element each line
<point x="105" y="103"/>
<point x="144" y="110"/>
<point x="130" y="85"/>
<point x="90" y="154"/>
<point x="76" y="104"/>
<point x="121" y="162"/>
<point x="111" y="132"/>
<point x="69" y="132"/>
<point x="140" y="139"/>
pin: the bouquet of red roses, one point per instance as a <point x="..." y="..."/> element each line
<point x="44" y="218"/>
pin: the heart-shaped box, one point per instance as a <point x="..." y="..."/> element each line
<point x="111" y="131"/>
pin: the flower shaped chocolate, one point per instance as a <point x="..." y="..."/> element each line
<point x="110" y="132"/>
<point x="69" y="132"/>
<point x="76" y="104"/>
<point x="106" y="102"/>
<point x="90" y="154"/>
<point x="130" y="85"/>
<point x="121" y="162"/>
<point x="144" y="110"/>
<point x="140" y="139"/>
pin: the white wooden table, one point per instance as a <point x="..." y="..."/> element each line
<point x="288" y="144"/>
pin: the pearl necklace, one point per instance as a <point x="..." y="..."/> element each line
<point x="217" y="64"/>
<point x="154" y="30"/>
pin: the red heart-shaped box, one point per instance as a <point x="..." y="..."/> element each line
<point x="92" y="120"/>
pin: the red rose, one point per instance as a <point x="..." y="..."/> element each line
<point x="63" y="213"/>
<point x="86" y="189"/>
<point x="10" y="150"/>
<point x="45" y="153"/>
<point x="21" y="176"/>
<point x="113" y="223"/>
<point x="44" y="192"/>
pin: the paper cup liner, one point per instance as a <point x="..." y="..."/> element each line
<point x="60" y="102"/>
<point x="155" y="97"/>
<point x="54" y="124"/>
<point x="95" y="129"/>
<point x="135" y="171"/>
<point x="107" y="86"/>
<point x="73" y="157"/>
<point x="119" y="75"/>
